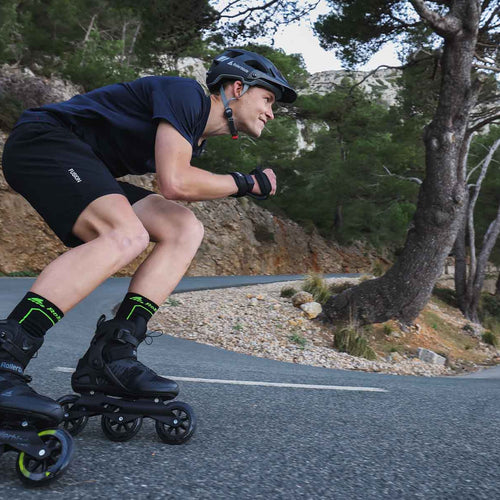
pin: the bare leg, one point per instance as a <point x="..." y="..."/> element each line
<point x="178" y="234"/>
<point x="114" y="237"/>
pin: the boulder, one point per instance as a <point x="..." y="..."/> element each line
<point x="312" y="309"/>
<point x="431" y="357"/>
<point x="302" y="298"/>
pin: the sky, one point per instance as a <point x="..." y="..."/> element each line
<point x="299" y="38"/>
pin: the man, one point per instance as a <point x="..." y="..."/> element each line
<point x="63" y="158"/>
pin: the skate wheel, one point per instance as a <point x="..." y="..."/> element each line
<point x="58" y="453"/>
<point x="120" y="431"/>
<point x="73" y="425"/>
<point x="181" y="426"/>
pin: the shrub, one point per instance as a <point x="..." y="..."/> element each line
<point x="10" y="109"/>
<point x="447" y="295"/>
<point x="288" y="292"/>
<point x="298" y="339"/>
<point x="336" y="288"/>
<point x="490" y="306"/>
<point x="350" y="341"/>
<point x="317" y="287"/>
<point x="490" y="338"/>
<point x="263" y="234"/>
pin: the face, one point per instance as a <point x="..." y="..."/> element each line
<point x="253" y="110"/>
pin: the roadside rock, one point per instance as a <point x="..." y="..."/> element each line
<point x="431" y="357"/>
<point x="312" y="309"/>
<point x="302" y="298"/>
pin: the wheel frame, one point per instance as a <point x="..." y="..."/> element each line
<point x="132" y="427"/>
<point x="72" y="425"/>
<point x="51" y="466"/>
<point x="185" y="414"/>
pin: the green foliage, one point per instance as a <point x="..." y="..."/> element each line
<point x="387" y="329"/>
<point x="317" y="287"/>
<point x="291" y="65"/>
<point x="350" y="341"/>
<point x="298" y="339"/>
<point x="263" y="234"/>
<point x="10" y="109"/>
<point x="336" y="288"/>
<point x="489" y="307"/>
<point x="288" y="292"/>
<point x="357" y="29"/>
<point x="95" y="42"/>
<point x="96" y="65"/>
<point x="27" y="273"/>
<point x="447" y="295"/>
<point x="11" y="46"/>
<point x="490" y="338"/>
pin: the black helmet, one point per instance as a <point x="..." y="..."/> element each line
<point x="252" y="69"/>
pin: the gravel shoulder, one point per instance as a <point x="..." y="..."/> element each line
<point x="255" y="320"/>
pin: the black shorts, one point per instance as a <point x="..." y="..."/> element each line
<point x="59" y="175"/>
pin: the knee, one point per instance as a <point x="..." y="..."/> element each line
<point x="128" y="241"/>
<point x="190" y="229"/>
<point x="183" y="229"/>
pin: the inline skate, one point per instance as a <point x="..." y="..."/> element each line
<point x="28" y="421"/>
<point x="112" y="383"/>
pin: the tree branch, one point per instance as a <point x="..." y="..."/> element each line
<point x="443" y="26"/>
<point x="483" y="123"/>
<point x="416" y="180"/>
<point x="249" y="10"/>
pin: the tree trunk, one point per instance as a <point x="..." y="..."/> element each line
<point x="405" y="289"/>
<point x="460" y="267"/>
<point x="474" y="294"/>
<point x="477" y="268"/>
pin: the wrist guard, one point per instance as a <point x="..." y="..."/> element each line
<point x="263" y="182"/>
<point x="244" y="183"/>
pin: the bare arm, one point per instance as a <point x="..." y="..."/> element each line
<point x="177" y="178"/>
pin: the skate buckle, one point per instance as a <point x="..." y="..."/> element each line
<point x="41" y="453"/>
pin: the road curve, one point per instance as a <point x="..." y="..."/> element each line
<point x="269" y="429"/>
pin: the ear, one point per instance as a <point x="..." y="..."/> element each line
<point x="237" y="88"/>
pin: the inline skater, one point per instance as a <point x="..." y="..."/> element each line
<point x="64" y="159"/>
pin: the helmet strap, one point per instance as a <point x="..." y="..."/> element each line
<point x="228" y="112"/>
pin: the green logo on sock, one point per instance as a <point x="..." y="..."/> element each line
<point x="137" y="299"/>
<point x="37" y="301"/>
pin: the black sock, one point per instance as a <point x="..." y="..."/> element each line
<point x="135" y="305"/>
<point x="36" y="314"/>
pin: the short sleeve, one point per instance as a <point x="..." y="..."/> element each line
<point x="180" y="103"/>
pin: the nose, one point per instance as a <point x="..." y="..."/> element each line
<point x="269" y="114"/>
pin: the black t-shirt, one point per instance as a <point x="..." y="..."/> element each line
<point x="119" y="121"/>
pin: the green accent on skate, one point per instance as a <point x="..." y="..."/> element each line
<point x="37" y="301"/>
<point x="39" y="310"/>
<point x="142" y="307"/>
<point x="22" y="468"/>
<point x="49" y="432"/>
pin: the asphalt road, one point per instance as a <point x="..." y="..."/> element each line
<point x="432" y="438"/>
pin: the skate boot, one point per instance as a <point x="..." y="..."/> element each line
<point x="114" y="384"/>
<point x="28" y="420"/>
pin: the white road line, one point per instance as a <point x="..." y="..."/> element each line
<point x="254" y="383"/>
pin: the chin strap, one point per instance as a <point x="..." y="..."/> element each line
<point x="228" y="112"/>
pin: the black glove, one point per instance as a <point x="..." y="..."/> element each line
<point x="263" y="182"/>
